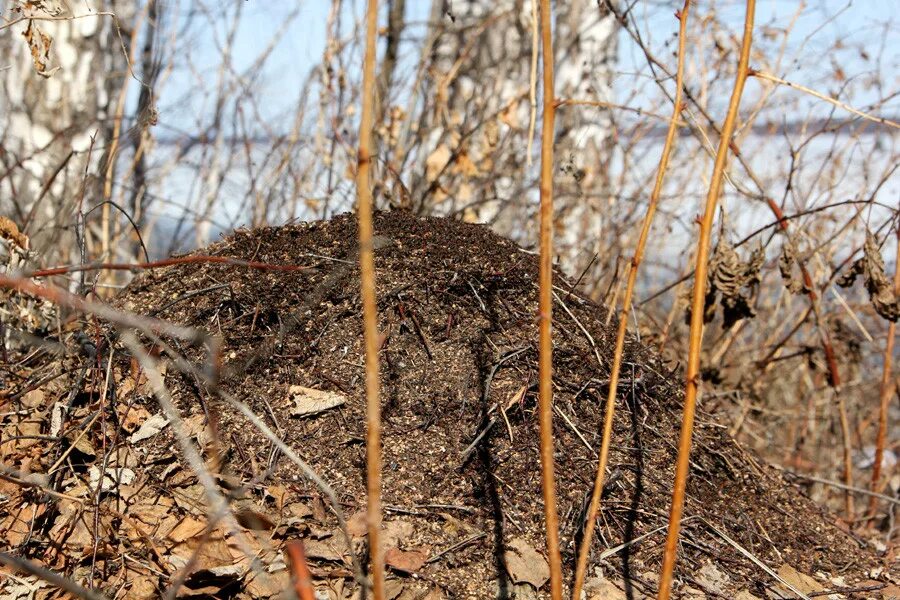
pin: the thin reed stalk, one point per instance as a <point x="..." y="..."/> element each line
<point x="545" y="362"/>
<point x="697" y="306"/>
<point x="887" y="389"/>
<point x="585" y="550"/>
<point x="370" y="308"/>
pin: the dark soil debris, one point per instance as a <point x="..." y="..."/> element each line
<point x="457" y="312"/>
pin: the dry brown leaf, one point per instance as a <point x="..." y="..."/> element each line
<point x="188" y="528"/>
<point x="34" y="398"/>
<point x="786" y="264"/>
<point x="132" y="418"/>
<point x="309" y="401"/>
<point x="728" y="277"/>
<point x="266" y="585"/>
<point x="20" y="524"/>
<point x="143" y="587"/>
<point x="331" y="548"/>
<point x="357" y="524"/>
<point x="251" y="518"/>
<point x="803" y="583"/>
<point x="525" y="564"/>
<point x="880" y="288"/>
<point x="463" y="165"/>
<point x="600" y="588"/>
<point x="436" y="162"/>
<point x="39" y="43"/>
<point x="393" y="588"/>
<point x="406" y="561"/>
<point x="394" y="533"/>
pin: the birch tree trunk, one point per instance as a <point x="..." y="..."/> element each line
<point x="476" y="154"/>
<point x="65" y="68"/>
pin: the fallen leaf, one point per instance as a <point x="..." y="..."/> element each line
<point x="112" y="477"/>
<point x="601" y="588"/>
<point x="149" y="428"/>
<point x="309" y="401"/>
<point x="357" y="525"/>
<point x="188" y="528"/>
<point x="331" y="548"/>
<point x="392" y="588"/>
<point x="254" y="519"/>
<point x="711" y="578"/>
<point x="395" y="532"/>
<point x="803" y="583"/>
<point x="408" y="562"/>
<point x="132" y="418"/>
<point x="525" y="564"/>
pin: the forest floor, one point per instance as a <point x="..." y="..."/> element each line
<point x="98" y="484"/>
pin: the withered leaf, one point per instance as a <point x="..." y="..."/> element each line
<point x="408" y="562"/>
<point x="309" y="401"/>
<point x="881" y="292"/>
<point x="525" y="564"/>
<point x="39" y="43"/>
<point x="786" y="263"/>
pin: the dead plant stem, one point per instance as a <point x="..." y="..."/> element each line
<point x="886" y="390"/>
<point x="609" y="412"/>
<point x="545" y="363"/>
<point x="697" y="310"/>
<point x="370" y="308"/>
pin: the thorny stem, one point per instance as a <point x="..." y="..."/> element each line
<point x="609" y="412"/>
<point x="887" y="388"/>
<point x="370" y="308"/>
<point x="696" y="333"/>
<point x="545" y="362"/>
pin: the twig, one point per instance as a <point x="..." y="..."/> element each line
<point x="456" y="546"/>
<point x="606" y="441"/>
<point x="370" y="306"/>
<point x="545" y="355"/>
<point x="845" y="487"/>
<point x="755" y="560"/>
<point x="300" y="570"/>
<point x="195" y="259"/>
<point x="697" y="310"/>
<point x="885" y="391"/>
<point x="821" y="96"/>
<point x="49" y="576"/>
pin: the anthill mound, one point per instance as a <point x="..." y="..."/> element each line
<point x="461" y="481"/>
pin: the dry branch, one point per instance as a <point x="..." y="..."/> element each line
<point x="699" y="296"/>
<point x="370" y="307"/>
<point x="609" y="412"/>
<point x="545" y="359"/>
